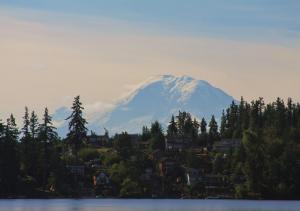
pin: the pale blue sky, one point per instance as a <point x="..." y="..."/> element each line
<point x="102" y="49"/>
<point x="260" y="20"/>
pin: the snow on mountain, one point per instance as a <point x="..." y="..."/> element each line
<point x="158" y="99"/>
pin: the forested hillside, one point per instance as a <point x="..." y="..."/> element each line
<point x="253" y="153"/>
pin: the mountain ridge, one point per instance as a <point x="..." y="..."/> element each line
<point x="157" y="99"/>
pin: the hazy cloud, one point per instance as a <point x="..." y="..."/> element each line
<point x="43" y="60"/>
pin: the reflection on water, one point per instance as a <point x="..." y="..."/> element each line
<point x="147" y="205"/>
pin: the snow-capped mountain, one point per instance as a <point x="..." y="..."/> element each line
<point x="158" y="99"/>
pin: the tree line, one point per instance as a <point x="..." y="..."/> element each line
<point x="33" y="159"/>
<point x="269" y="157"/>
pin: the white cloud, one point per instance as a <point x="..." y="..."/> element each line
<point x="43" y="61"/>
<point x="97" y="110"/>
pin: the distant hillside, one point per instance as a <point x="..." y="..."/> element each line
<point x="158" y="99"/>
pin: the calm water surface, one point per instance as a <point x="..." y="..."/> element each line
<point x="147" y="205"/>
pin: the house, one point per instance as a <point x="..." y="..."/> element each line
<point x="193" y="176"/>
<point x="167" y="166"/>
<point x="143" y="145"/>
<point x="78" y="170"/>
<point x="102" y="185"/>
<point x="95" y="163"/>
<point x="97" y="141"/>
<point x="175" y="144"/>
<point x="147" y="175"/>
<point x="200" y="152"/>
<point x="225" y="145"/>
<point x="101" y="179"/>
<point x="215" y="184"/>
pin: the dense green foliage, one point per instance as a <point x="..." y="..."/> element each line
<point x="269" y="156"/>
<point x="35" y="162"/>
<point x="77" y="129"/>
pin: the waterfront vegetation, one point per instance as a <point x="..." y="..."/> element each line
<point x="254" y="153"/>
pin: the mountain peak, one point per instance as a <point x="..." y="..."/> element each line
<point x="178" y="79"/>
<point x="174" y="78"/>
<point x="181" y="86"/>
<point x="164" y="95"/>
<point x="160" y="97"/>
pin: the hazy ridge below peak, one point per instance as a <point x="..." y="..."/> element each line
<point x="157" y="99"/>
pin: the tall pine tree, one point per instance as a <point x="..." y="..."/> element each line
<point x="203" y="125"/>
<point x="172" y="128"/>
<point x="47" y="131"/>
<point x="47" y="136"/>
<point x="26" y="123"/>
<point x="27" y="156"/>
<point x="213" y="133"/>
<point x="33" y="125"/>
<point x="10" y="157"/>
<point x="77" y="126"/>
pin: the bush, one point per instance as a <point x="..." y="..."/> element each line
<point x="129" y="189"/>
<point x="87" y="154"/>
<point x="241" y="191"/>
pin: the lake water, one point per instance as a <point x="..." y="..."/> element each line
<point x="147" y="205"/>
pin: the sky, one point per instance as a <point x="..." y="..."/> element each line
<point x="52" y="50"/>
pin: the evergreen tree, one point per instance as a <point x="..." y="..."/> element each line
<point x="47" y="132"/>
<point x="290" y="113"/>
<point x="184" y="122"/>
<point x="35" y="147"/>
<point x="254" y="164"/>
<point x="232" y="120"/>
<point x="12" y="131"/>
<point x="146" y="134"/>
<point x="203" y="133"/>
<point x="26" y="123"/>
<point x="47" y="136"/>
<point x="1" y="129"/>
<point x="123" y="145"/>
<point x="195" y="129"/>
<point x="245" y="121"/>
<point x="10" y="158"/>
<point x="256" y="114"/>
<point x="157" y="137"/>
<point x="213" y="133"/>
<point x="2" y="192"/>
<point x="280" y="118"/>
<point x="203" y="126"/>
<point x="240" y="118"/>
<point x="172" y="128"/>
<point x="223" y="125"/>
<point x="185" y="127"/>
<point x="28" y="155"/>
<point x="33" y="125"/>
<point x="77" y="126"/>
